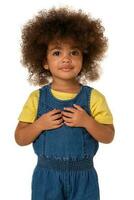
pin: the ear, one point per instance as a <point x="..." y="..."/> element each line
<point x="45" y="65"/>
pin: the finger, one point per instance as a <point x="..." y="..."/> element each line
<point x="68" y="124"/>
<point x="70" y="109"/>
<point x="59" y="121"/>
<point x="66" y="119"/>
<point x="78" y="107"/>
<point x="54" y="111"/>
<point x="56" y="116"/>
<point x="58" y="125"/>
<point x="67" y="114"/>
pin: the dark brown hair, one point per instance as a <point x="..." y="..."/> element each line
<point x="62" y="23"/>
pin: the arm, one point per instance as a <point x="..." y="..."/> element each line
<point x="101" y="132"/>
<point x="26" y="133"/>
<point x="101" y="122"/>
<point x="78" y="117"/>
<point x="28" y="129"/>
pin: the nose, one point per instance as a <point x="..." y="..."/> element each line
<point x="66" y="58"/>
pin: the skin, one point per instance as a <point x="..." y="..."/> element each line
<point x="64" y="61"/>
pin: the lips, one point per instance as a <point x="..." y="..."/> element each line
<point x="66" y="68"/>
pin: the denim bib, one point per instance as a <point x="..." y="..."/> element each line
<point x="65" y="142"/>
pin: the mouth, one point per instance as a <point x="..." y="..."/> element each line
<point x="66" y="68"/>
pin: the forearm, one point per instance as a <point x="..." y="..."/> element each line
<point x="101" y="132"/>
<point x="26" y="133"/>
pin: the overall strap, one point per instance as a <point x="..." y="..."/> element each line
<point x="88" y="91"/>
<point x="42" y="100"/>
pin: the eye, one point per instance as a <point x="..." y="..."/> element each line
<point x="56" y="53"/>
<point x="75" y="52"/>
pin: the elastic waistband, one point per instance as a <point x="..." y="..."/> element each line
<point x="58" y="164"/>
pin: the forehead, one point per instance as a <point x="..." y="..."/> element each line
<point x="60" y="43"/>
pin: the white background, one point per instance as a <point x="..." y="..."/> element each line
<point x="114" y="162"/>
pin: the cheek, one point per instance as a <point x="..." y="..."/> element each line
<point x="80" y="64"/>
<point x="80" y="61"/>
<point x="52" y="63"/>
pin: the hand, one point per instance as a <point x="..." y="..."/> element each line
<point x="50" y="120"/>
<point x="76" y="116"/>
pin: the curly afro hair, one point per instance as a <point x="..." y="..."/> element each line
<point x="56" y="24"/>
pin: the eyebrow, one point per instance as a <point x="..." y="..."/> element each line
<point x="59" y="47"/>
<point x="55" y="47"/>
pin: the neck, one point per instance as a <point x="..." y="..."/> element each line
<point x="66" y="86"/>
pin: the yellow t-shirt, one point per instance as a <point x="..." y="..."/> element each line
<point x="98" y="106"/>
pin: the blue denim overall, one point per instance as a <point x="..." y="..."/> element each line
<point x="65" y="168"/>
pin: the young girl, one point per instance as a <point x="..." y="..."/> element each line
<point x="64" y="119"/>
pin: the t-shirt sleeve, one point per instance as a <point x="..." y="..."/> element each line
<point x="29" y="111"/>
<point x="99" y="108"/>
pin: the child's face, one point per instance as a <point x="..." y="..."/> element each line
<point x="64" y="60"/>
